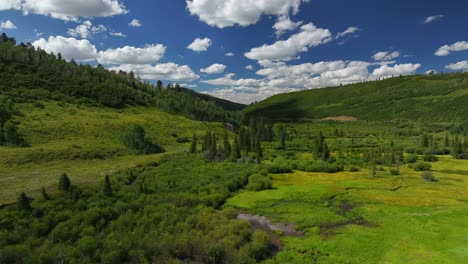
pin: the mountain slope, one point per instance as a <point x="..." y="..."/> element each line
<point x="441" y="97"/>
<point x="28" y="74"/>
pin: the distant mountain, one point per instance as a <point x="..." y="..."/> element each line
<point x="439" y="97"/>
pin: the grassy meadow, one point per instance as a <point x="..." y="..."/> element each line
<point x="85" y="142"/>
<point x="389" y="219"/>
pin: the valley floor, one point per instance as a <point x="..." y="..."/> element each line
<point x="352" y="218"/>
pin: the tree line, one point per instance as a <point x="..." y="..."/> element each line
<point x="30" y="74"/>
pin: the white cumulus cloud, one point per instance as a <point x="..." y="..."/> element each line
<point x="135" y="23"/>
<point x="7" y="25"/>
<point x="229" y="54"/>
<point x="200" y="44"/>
<point x="132" y="55"/>
<point x="10" y="4"/>
<point x="447" y="49"/>
<point x="284" y="24"/>
<point x="166" y="71"/>
<point x="397" y="69"/>
<point x="215" y="68"/>
<point x="228" y="80"/>
<point x="283" y="50"/>
<point x="385" y="55"/>
<point x="70" y="48"/>
<point x="73" y="9"/>
<point x="461" y="65"/>
<point x="86" y="29"/>
<point x="227" y="13"/>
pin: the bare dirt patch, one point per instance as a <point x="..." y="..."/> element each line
<point x="263" y="223"/>
<point x="341" y="118"/>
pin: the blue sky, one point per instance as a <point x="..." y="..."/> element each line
<point x="276" y="46"/>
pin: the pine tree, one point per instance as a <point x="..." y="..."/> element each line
<point x="193" y="147"/>
<point x="107" y="187"/>
<point x="23" y="202"/>
<point x="75" y="193"/>
<point x="227" y="145"/>
<point x="325" y="152"/>
<point x="64" y="183"/>
<point x="213" y="148"/>
<point x="446" y="141"/>
<point x="319" y="145"/>
<point x="45" y="195"/>
<point x="424" y="141"/>
<point x="236" y="153"/>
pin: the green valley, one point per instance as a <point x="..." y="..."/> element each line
<point x="98" y="166"/>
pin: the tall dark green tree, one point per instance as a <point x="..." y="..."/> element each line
<point x="318" y="145"/>
<point x="136" y="141"/>
<point x="64" y="183"/>
<point x="424" y="141"/>
<point x="12" y="136"/>
<point x="193" y="146"/>
<point x="325" y="151"/>
<point x="446" y="141"/>
<point x="282" y="134"/>
<point x="226" y="145"/>
<point x="107" y="187"/>
<point x="236" y="152"/>
<point x="45" y="195"/>
<point x="23" y="202"/>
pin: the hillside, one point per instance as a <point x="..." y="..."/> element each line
<point x="225" y="104"/>
<point x="28" y="74"/>
<point x="441" y="98"/>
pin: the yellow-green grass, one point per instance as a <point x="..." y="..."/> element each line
<point x="85" y="142"/>
<point x="420" y="222"/>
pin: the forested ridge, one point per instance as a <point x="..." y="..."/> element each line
<point x="29" y="74"/>
<point x="438" y="97"/>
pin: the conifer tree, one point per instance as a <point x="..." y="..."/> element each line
<point x="64" y="183"/>
<point x="424" y="141"/>
<point x="236" y="153"/>
<point x="107" y="186"/>
<point x="325" y="152"/>
<point x="45" y="196"/>
<point x="11" y="135"/>
<point x="23" y="202"/>
<point x="193" y="146"/>
<point x="227" y="145"/>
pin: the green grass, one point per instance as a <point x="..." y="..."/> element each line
<point x="85" y="142"/>
<point x="419" y="223"/>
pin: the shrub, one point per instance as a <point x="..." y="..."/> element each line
<point x="394" y="171"/>
<point x="429" y="156"/>
<point x="279" y="166"/>
<point x="318" y="166"/>
<point x="427" y="176"/>
<point x="181" y="139"/>
<point x="422" y="166"/>
<point x="258" y="182"/>
<point x="354" y="169"/>
<point x="412" y="158"/>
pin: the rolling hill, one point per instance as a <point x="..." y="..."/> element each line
<point x="440" y="98"/>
